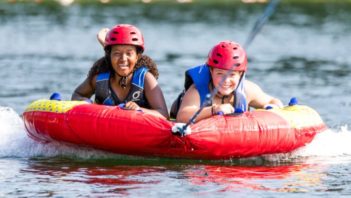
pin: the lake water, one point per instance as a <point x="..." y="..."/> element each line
<point x="303" y="52"/>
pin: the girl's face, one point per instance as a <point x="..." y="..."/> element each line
<point x="230" y="83"/>
<point x="123" y="59"/>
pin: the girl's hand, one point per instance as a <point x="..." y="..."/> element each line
<point x="225" y="108"/>
<point x="101" y="36"/>
<point x="132" y="106"/>
<point x="271" y="106"/>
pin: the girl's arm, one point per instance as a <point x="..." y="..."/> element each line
<point x="85" y="90"/>
<point x="191" y="104"/>
<point x="155" y="97"/>
<point x="257" y="98"/>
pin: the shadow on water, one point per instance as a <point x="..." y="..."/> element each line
<point x="121" y="178"/>
<point x="115" y="159"/>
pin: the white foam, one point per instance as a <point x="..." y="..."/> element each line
<point x="330" y="143"/>
<point x="328" y="147"/>
<point x="332" y="146"/>
<point x="14" y="141"/>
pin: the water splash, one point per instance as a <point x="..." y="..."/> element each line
<point x="330" y="143"/>
<point x="14" y="141"/>
<point x="331" y="146"/>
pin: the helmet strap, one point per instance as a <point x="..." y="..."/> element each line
<point x="123" y="81"/>
<point x="241" y="79"/>
<point x="223" y="98"/>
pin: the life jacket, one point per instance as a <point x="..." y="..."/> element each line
<point x="105" y="95"/>
<point x="200" y="76"/>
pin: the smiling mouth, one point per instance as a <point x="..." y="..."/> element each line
<point x="123" y="66"/>
<point x="226" y="86"/>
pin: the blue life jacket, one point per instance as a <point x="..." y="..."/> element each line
<point x="105" y="95"/>
<point x="200" y="76"/>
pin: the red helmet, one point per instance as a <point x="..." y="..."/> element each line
<point x="227" y="55"/>
<point x="124" y="34"/>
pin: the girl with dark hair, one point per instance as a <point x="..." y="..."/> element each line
<point x="124" y="75"/>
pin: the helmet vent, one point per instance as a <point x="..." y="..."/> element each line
<point x="235" y="57"/>
<point x="235" y="48"/>
<point x="237" y="65"/>
<point x="215" y="61"/>
<point x="218" y="54"/>
<point x="223" y="46"/>
<point x="125" y="34"/>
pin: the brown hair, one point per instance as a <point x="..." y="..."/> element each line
<point x="103" y="65"/>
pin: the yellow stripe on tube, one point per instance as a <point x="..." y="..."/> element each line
<point x="299" y="116"/>
<point x="53" y="105"/>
